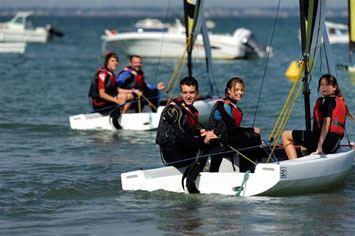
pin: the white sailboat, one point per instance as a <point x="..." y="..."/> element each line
<point x="150" y="120"/>
<point x="303" y="175"/>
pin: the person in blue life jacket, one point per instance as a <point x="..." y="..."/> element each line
<point x="329" y="117"/>
<point x="132" y="77"/>
<point x="225" y="120"/>
<point x="178" y="137"/>
<point x="104" y="92"/>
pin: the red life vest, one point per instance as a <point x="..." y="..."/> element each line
<point x="193" y="115"/>
<point x="337" y="124"/>
<point x="109" y="79"/>
<point x="138" y="76"/>
<point x="236" y="112"/>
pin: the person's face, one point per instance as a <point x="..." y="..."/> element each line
<point x="237" y="92"/>
<point x="188" y="94"/>
<point x="136" y="63"/>
<point x="326" y="89"/>
<point x="112" y="63"/>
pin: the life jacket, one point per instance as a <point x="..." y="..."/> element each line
<point x="137" y="78"/>
<point x="110" y="88"/>
<point x="218" y="125"/>
<point x="191" y="113"/>
<point x="337" y="124"/>
<point x="236" y="112"/>
<point x="165" y="133"/>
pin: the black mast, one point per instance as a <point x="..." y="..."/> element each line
<point x="189" y="11"/>
<point x="304" y="7"/>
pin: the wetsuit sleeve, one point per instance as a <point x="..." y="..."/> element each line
<point x="328" y="106"/>
<point x="152" y="86"/>
<point x="183" y="136"/>
<point x="122" y="78"/>
<point x="229" y="121"/>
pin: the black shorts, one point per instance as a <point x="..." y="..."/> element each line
<point x="330" y="144"/>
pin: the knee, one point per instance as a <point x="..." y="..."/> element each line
<point x="287" y="135"/>
<point x="257" y="130"/>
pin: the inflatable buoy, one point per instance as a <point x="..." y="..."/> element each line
<point x="293" y="72"/>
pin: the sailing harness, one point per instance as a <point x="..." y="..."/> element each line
<point x="338" y="118"/>
<point x="176" y="110"/>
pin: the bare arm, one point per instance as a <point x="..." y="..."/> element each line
<point x="129" y="91"/>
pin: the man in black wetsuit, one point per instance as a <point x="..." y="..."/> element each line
<point x="178" y="137"/>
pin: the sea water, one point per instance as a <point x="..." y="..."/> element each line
<point x="58" y="181"/>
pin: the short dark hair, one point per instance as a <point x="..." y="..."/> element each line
<point x="189" y="81"/>
<point x="109" y="55"/>
<point x="131" y="57"/>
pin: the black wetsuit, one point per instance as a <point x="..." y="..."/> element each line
<point x="224" y="124"/>
<point x="177" y="135"/>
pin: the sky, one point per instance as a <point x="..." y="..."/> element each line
<point x="163" y="3"/>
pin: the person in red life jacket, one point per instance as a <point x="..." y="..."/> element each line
<point x="177" y="135"/>
<point x="105" y="93"/>
<point x="132" y="77"/>
<point x="329" y="116"/>
<point x="225" y="120"/>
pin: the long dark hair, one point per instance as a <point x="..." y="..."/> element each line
<point x="331" y="80"/>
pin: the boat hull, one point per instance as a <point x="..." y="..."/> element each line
<point x="172" y="45"/>
<point x="13" y="47"/>
<point x="39" y="35"/>
<point x="304" y="175"/>
<point x="134" y="121"/>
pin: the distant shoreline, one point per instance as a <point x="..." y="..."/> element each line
<point x="161" y="12"/>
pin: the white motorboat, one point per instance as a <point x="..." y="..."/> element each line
<point x="143" y="121"/>
<point x="12" y="47"/>
<point x="21" y="28"/>
<point x="306" y="174"/>
<point x="337" y="33"/>
<point x="154" y="39"/>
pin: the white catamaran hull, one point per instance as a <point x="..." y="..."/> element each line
<point x="133" y="121"/>
<point x="307" y="174"/>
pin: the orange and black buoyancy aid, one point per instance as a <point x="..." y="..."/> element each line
<point x="337" y="124"/>
<point x="236" y="112"/>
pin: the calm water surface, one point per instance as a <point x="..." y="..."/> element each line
<point x="56" y="181"/>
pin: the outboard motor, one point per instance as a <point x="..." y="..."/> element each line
<point x="252" y="47"/>
<point x="52" y="32"/>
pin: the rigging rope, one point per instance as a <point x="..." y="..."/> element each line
<point x="267" y="61"/>
<point x="245" y="178"/>
<point x="178" y="65"/>
<point x="161" y="44"/>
